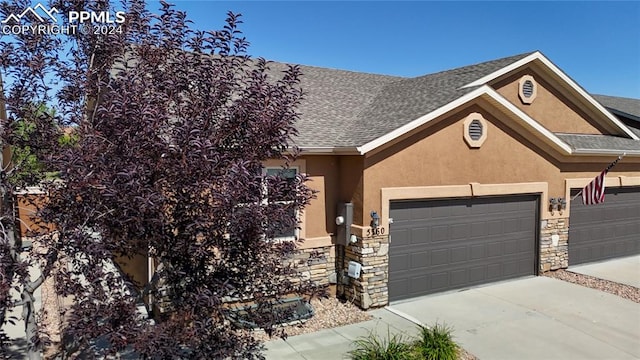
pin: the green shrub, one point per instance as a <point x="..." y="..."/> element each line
<point x="373" y="347"/>
<point x="436" y="343"/>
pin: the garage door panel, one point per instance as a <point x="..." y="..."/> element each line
<point x="439" y="282"/>
<point x="459" y="277"/>
<point x="494" y="249"/>
<point x="511" y="226"/>
<point x="401" y="286"/>
<point x="401" y="237"/>
<point x="607" y="230"/>
<point x="493" y="272"/>
<point x="439" y="257"/>
<point x="420" y="259"/>
<point x="418" y="236"/>
<point x="479" y="229"/>
<point x="478" y="251"/>
<point x="460" y="231"/>
<point x="401" y="262"/>
<point x="495" y="227"/>
<point x="459" y="254"/>
<point x="511" y="247"/>
<point x="419" y="284"/>
<point x="467" y="242"/>
<point x="477" y="274"/>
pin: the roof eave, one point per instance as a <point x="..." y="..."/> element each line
<point x="336" y="150"/>
<point x="605" y="152"/>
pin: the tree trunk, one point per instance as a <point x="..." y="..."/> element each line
<point x="7" y="213"/>
<point x="30" y="326"/>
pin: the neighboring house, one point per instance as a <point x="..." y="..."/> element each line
<point x="468" y="173"/>
<point x="626" y="109"/>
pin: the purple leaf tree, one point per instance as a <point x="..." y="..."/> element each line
<point x="153" y="148"/>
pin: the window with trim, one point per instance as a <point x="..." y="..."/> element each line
<point x="282" y="183"/>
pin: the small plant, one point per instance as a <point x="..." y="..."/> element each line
<point x="373" y="347"/>
<point x="436" y="343"/>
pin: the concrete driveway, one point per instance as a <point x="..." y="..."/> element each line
<point x="530" y="318"/>
<point x="624" y="270"/>
<point x="535" y="318"/>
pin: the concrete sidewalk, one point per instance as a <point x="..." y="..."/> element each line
<point x="336" y="343"/>
<point x="624" y="270"/>
<point x="530" y="318"/>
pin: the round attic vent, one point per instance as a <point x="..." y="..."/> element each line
<point x="475" y="130"/>
<point x="527" y="89"/>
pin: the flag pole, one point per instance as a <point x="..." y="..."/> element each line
<point x="608" y="168"/>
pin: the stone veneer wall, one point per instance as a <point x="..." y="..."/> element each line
<point x="370" y="290"/>
<point x="554" y="256"/>
<point x="317" y="264"/>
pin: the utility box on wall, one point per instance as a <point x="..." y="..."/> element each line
<point x="343" y="222"/>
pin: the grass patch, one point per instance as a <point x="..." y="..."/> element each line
<point x="436" y="343"/>
<point x="432" y="343"/>
<point x="373" y="347"/>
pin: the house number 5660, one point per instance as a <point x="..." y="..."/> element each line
<point x="375" y="231"/>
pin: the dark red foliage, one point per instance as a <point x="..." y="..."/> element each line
<point x="170" y="128"/>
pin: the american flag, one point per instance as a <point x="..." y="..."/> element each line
<point x="593" y="193"/>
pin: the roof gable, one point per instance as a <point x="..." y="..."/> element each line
<point x="564" y="82"/>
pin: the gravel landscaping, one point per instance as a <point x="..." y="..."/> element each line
<point x="329" y="313"/>
<point x="624" y="291"/>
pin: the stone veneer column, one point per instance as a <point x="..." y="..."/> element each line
<point x="370" y="290"/>
<point x="554" y="255"/>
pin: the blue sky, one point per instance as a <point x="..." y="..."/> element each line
<point x="595" y="43"/>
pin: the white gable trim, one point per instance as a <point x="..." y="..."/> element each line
<point x="484" y="90"/>
<point x="496" y="74"/>
<point x="536" y="126"/>
<point x="538" y="56"/>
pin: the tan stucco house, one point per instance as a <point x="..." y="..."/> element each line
<point x="468" y="173"/>
<point x="458" y="178"/>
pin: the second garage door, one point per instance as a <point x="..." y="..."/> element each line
<point x="607" y="230"/>
<point x="440" y="245"/>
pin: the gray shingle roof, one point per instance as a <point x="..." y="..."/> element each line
<point x="346" y="109"/>
<point x="627" y="107"/>
<point x="583" y="142"/>
<point x="333" y="99"/>
<point x="349" y="109"/>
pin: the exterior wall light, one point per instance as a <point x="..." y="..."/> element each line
<point x="553" y="204"/>
<point x="559" y="204"/>
<point x="375" y="219"/>
<point x="353" y="239"/>
<point x="562" y="205"/>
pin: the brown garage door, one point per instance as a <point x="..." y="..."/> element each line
<point x="607" y="230"/>
<point x="440" y="245"/>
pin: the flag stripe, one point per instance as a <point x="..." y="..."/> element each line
<point x="593" y="193"/>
